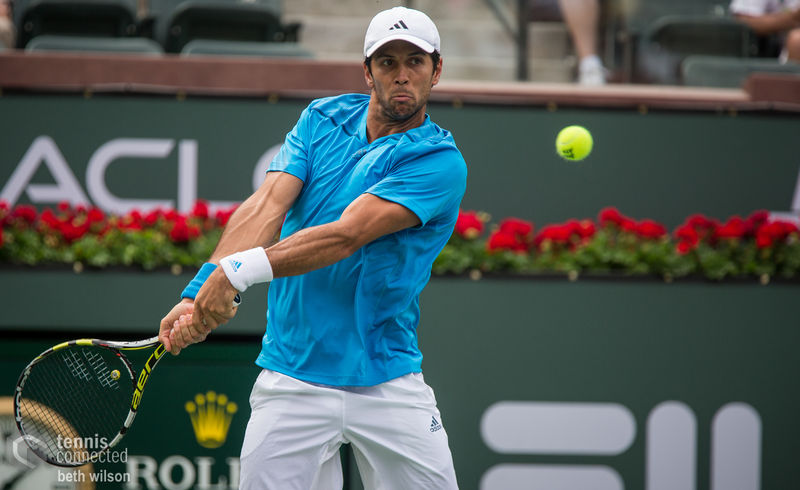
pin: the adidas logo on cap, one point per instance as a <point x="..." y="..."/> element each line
<point x="399" y="25"/>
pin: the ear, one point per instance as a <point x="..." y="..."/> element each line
<point x="437" y="72"/>
<point x="368" y="77"/>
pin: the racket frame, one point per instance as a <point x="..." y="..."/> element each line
<point x="139" y="381"/>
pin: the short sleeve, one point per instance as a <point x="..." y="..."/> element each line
<point x="429" y="185"/>
<point x="292" y="157"/>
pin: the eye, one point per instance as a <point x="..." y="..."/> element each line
<point x="386" y="62"/>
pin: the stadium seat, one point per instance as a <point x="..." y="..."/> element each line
<point x="208" y="47"/>
<point x="669" y="39"/>
<point x="119" y="45"/>
<point x="626" y="20"/>
<point x="87" y="18"/>
<point x="177" y="22"/>
<point x="727" y="72"/>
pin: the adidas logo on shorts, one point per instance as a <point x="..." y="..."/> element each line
<point x="435" y="425"/>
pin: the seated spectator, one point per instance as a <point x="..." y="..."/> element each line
<point x="582" y="18"/>
<point x="767" y="17"/>
<point x="8" y="33"/>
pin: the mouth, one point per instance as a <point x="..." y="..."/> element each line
<point x="402" y="97"/>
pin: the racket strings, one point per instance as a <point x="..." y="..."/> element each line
<point x="71" y="407"/>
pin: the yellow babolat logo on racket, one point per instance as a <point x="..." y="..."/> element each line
<point x="211" y="415"/>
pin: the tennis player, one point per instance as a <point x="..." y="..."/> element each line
<point x="364" y="192"/>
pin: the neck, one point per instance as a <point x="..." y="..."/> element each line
<point x="380" y="125"/>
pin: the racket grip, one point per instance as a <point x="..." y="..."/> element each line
<point x="237" y="300"/>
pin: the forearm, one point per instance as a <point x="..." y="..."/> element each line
<point x="772" y="23"/>
<point x="312" y="248"/>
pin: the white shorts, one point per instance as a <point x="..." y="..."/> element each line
<point x="296" y="428"/>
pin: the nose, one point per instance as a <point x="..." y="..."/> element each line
<point x="402" y="75"/>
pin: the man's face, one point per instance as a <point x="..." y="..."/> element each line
<point x="401" y="79"/>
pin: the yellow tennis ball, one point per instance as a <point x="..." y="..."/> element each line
<point x="574" y="143"/>
<point x="115" y="374"/>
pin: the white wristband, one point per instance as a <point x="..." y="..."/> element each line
<point x="247" y="268"/>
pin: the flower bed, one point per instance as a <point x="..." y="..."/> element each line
<point x="751" y="247"/>
<point x="617" y="244"/>
<point x="87" y="236"/>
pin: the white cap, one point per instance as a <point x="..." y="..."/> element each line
<point x="404" y="24"/>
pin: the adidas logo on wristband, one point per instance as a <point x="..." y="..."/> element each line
<point x="246" y="268"/>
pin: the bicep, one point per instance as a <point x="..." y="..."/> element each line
<point x="370" y="217"/>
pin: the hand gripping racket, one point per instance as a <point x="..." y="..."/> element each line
<point x="70" y="400"/>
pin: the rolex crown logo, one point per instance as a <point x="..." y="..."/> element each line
<point x="211" y="415"/>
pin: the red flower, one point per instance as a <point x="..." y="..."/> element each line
<point x="3" y="212"/>
<point x="755" y="220"/>
<point x="554" y="233"/>
<point x="585" y="228"/>
<point x="71" y="232"/>
<point x="128" y="224"/>
<point x="610" y="215"/>
<point x="683" y="248"/>
<point x="49" y="218"/>
<point x="515" y="226"/>
<point x="502" y="241"/>
<point x="734" y="228"/>
<point x="763" y="240"/>
<point x="171" y="215"/>
<point x="135" y="216"/>
<point x="688" y="238"/>
<point x="512" y="234"/>
<point x="650" y="229"/>
<point x="64" y="206"/>
<point x="151" y="218"/>
<point x="703" y="225"/>
<point x="183" y="232"/>
<point x="468" y="225"/>
<point x="223" y="217"/>
<point x="777" y="231"/>
<point x="95" y="215"/>
<point x="200" y="209"/>
<point x="24" y="212"/>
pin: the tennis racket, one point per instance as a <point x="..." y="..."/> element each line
<point x="70" y="400"/>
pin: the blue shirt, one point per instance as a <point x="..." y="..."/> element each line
<point x="354" y="323"/>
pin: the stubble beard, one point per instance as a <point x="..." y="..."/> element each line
<point x="398" y="112"/>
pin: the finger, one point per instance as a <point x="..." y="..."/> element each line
<point x="195" y="334"/>
<point x="174" y="338"/>
<point x="163" y="334"/>
<point x="186" y="331"/>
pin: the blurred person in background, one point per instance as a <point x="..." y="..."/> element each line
<point x="8" y="34"/>
<point x="582" y="18"/>
<point x="773" y="17"/>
